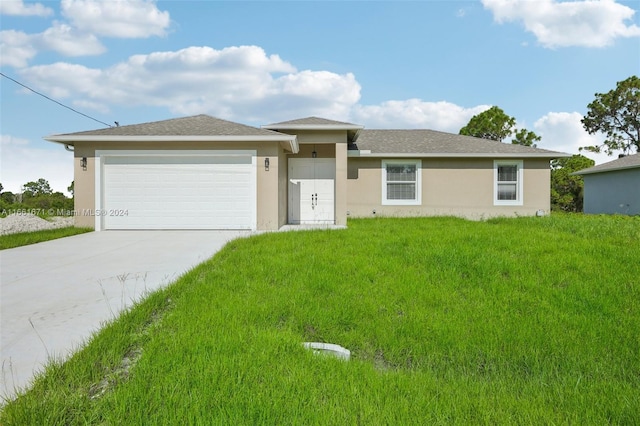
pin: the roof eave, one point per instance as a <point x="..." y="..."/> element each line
<point x="312" y="127"/>
<point x="355" y="153"/>
<point x="290" y="140"/>
<point x="612" y="169"/>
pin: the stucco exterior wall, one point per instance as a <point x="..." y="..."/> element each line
<point x="283" y="188"/>
<point x="269" y="216"/>
<point x="322" y="151"/>
<point x="460" y="187"/>
<point x="341" y="201"/>
<point x="84" y="186"/>
<point x="457" y="187"/>
<point x="615" y="192"/>
<point x="268" y="211"/>
<point x="318" y="136"/>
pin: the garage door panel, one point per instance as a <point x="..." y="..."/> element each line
<point x="214" y="192"/>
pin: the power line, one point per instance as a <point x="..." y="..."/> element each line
<point x="53" y="100"/>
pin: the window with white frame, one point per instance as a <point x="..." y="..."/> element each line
<point x="507" y="183"/>
<point x="401" y="182"/>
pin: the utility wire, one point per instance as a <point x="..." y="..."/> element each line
<point x="53" y="100"/>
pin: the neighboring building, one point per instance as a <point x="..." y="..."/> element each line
<point x="205" y="173"/>
<point x="613" y="187"/>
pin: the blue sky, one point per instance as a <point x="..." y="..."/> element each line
<point x="413" y="64"/>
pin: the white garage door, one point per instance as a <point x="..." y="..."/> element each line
<point x="179" y="192"/>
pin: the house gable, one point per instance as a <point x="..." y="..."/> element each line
<point x="310" y="125"/>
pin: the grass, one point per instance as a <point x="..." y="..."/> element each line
<point x="508" y="321"/>
<point x="25" y="238"/>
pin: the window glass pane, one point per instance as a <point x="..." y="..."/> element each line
<point x="401" y="191"/>
<point x="507" y="173"/>
<point x="507" y="191"/>
<point x="401" y="173"/>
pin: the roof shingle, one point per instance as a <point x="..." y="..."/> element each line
<point x="310" y="121"/>
<point x="420" y="141"/>
<point x="627" y="162"/>
<point x="198" y="125"/>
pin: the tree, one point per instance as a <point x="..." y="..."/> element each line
<point x="617" y="115"/>
<point x="526" y="138"/>
<point x="8" y="197"/>
<point x="35" y="189"/>
<point x="567" y="191"/>
<point x="491" y="124"/>
<point x="70" y="188"/>
<point x="494" y="124"/>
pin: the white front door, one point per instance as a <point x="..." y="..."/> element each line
<point x="311" y="190"/>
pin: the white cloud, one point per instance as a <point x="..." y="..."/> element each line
<point x="20" y="163"/>
<point x="319" y="93"/>
<point x="62" y="80"/>
<point x="8" y="140"/>
<point x="563" y="131"/>
<point x="415" y="113"/>
<point x="96" y="106"/>
<point x="88" y="20"/>
<point x="70" y="42"/>
<point x="242" y="83"/>
<point x="117" y="18"/>
<point x="18" y="8"/>
<point x="562" y="24"/>
<point x="17" y="48"/>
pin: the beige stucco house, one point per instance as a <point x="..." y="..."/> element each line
<point x="205" y="173"/>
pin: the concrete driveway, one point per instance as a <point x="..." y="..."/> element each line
<point x="57" y="293"/>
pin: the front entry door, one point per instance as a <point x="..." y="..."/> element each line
<point x="311" y="190"/>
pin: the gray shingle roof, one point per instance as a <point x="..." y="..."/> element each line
<point x="199" y="125"/>
<point x="414" y="142"/>
<point x="310" y="121"/>
<point x="628" y="162"/>
<point x="431" y="142"/>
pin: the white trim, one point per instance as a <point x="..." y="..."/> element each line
<point x="97" y="191"/>
<point x="292" y="140"/>
<point x="254" y="190"/>
<point x="312" y="127"/>
<point x="367" y="153"/>
<point x="168" y="138"/>
<point x="611" y="169"/>
<point x="383" y="172"/>
<point x="173" y="153"/>
<point x="99" y="172"/>
<point x="519" y="185"/>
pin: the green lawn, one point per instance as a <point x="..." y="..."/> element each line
<point x="507" y="321"/>
<point x="26" y="238"/>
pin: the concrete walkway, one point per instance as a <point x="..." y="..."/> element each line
<point x="55" y="294"/>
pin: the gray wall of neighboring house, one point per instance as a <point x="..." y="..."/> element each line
<point x="613" y="192"/>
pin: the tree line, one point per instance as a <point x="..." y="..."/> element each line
<point x="616" y="114"/>
<point x="36" y="196"/>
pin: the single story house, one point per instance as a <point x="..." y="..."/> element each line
<point x="613" y="187"/>
<point x="202" y="172"/>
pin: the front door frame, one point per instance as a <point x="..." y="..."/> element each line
<point x="308" y="180"/>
